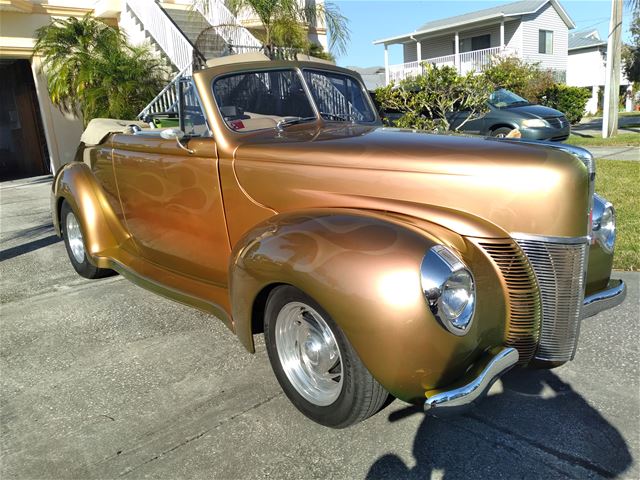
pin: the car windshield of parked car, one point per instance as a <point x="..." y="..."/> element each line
<point x="504" y="98"/>
<point x="251" y="101"/>
<point x="339" y="97"/>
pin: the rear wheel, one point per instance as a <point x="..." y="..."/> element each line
<point x="74" y="243"/>
<point x="314" y="363"/>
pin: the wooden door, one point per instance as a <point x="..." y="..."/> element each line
<point x="23" y="148"/>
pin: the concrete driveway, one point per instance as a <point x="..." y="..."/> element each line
<point x="101" y="379"/>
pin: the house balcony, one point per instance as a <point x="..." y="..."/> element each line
<point x="477" y="60"/>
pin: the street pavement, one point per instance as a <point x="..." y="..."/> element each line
<point x="102" y="379"/>
<point x="592" y="126"/>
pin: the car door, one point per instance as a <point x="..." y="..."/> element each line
<point x="476" y="125"/>
<point x="172" y="202"/>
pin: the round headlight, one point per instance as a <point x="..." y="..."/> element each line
<point x="449" y="289"/>
<point x="456" y="295"/>
<point x="604" y="223"/>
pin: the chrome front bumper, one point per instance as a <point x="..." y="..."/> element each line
<point x="614" y="295"/>
<point x="474" y="387"/>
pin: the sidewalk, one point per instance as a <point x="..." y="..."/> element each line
<point x="616" y="153"/>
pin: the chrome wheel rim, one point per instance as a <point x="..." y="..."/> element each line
<point x="74" y="237"/>
<point x="309" y="353"/>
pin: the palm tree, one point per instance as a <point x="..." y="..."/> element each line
<point x="123" y="81"/>
<point x="92" y="71"/>
<point x="286" y="23"/>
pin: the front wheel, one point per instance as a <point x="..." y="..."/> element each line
<point x="75" y="245"/>
<point x="314" y="363"/>
<point x="501" y="132"/>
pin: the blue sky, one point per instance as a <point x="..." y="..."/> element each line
<point x="371" y="20"/>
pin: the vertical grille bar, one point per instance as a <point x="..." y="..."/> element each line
<point x="559" y="266"/>
<point x="523" y="299"/>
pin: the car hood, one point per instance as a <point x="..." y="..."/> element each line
<point x="517" y="187"/>
<point x="532" y="111"/>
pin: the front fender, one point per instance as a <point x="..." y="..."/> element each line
<point x="101" y="229"/>
<point x="364" y="269"/>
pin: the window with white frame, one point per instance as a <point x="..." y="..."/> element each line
<point x="545" y="41"/>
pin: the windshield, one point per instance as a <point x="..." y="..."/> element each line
<point x="251" y="101"/>
<point x="338" y="97"/>
<point x="504" y="98"/>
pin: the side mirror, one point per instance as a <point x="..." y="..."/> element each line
<point x="172" y="133"/>
<point x="177" y="134"/>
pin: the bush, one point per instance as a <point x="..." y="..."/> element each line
<point x="525" y="79"/>
<point x="426" y="102"/>
<point x="569" y="100"/>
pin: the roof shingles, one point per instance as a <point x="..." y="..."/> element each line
<point x="516" y="8"/>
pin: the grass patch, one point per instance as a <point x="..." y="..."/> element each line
<point x="620" y="140"/>
<point x="617" y="181"/>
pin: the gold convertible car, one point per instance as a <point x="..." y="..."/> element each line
<point x="376" y="261"/>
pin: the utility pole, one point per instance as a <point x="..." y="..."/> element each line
<point x="612" y="80"/>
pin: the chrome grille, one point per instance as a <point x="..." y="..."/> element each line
<point x="557" y="122"/>
<point x="523" y="306"/>
<point x="559" y="266"/>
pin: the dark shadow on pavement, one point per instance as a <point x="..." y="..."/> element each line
<point x="15" y="183"/>
<point x="536" y="428"/>
<point x="30" y="232"/>
<point x="28" y="247"/>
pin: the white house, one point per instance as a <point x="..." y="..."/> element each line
<point x="535" y="30"/>
<point x="586" y="66"/>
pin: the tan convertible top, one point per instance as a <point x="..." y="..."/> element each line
<point x="99" y="128"/>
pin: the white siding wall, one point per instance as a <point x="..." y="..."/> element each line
<point x="513" y="35"/>
<point x="546" y="19"/>
<point x="410" y="52"/>
<point x="438" y="46"/>
<point x="585" y="68"/>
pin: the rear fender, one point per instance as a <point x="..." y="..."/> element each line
<point x="101" y="228"/>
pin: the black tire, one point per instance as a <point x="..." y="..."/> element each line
<point x="501" y="132"/>
<point x="85" y="268"/>
<point x="361" y="395"/>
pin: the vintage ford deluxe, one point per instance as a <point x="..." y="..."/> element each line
<point x="375" y="261"/>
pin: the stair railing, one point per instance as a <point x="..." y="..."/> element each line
<point x="164" y="32"/>
<point x="239" y="39"/>
<point x="167" y="100"/>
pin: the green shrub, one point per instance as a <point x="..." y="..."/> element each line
<point x="569" y="100"/>
<point x="525" y="79"/>
<point x="427" y="101"/>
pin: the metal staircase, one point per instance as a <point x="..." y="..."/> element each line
<point x="186" y="37"/>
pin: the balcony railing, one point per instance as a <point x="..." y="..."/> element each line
<point x="477" y="60"/>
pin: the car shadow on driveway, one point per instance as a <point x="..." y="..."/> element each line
<point x="28" y="247"/>
<point x="537" y="425"/>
